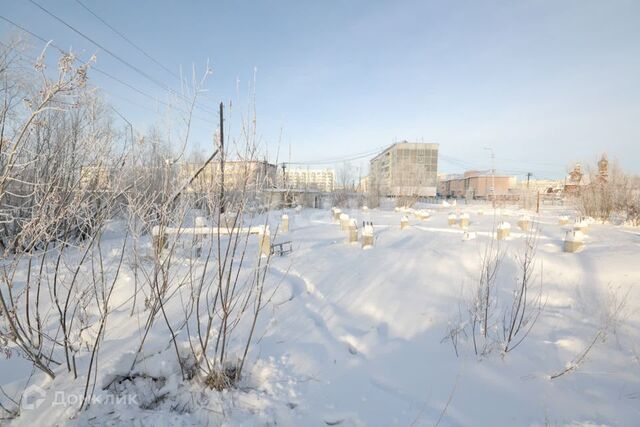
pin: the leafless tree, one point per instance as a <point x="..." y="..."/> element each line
<point x="614" y="193"/>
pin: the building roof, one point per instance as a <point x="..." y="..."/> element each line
<point x="407" y="144"/>
<point x="473" y="174"/>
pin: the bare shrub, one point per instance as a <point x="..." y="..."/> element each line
<point x="64" y="180"/>
<point x="214" y="276"/>
<point x="481" y="321"/>
<point x="482" y="307"/>
<point x="406" y="201"/>
<point x="54" y="147"/>
<point x="526" y="304"/>
<point x="613" y="313"/>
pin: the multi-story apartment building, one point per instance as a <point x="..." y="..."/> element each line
<point x="310" y="179"/>
<point x="239" y="175"/>
<point x="405" y="169"/>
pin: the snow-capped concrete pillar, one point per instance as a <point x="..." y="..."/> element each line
<point x="367" y="236"/>
<point x="452" y="218"/>
<point x="581" y="226"/>
<point x="504" y="229"/>
<point x="336" y="214"/>
<point x="352" y="233"/>
<point x="344" y="222"/>
<point x="524" y="223"/>
<point x="464" y="220"/>
<point x="265" y="242"/>
<point x="573" y="241"/>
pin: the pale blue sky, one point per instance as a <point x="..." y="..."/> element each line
<point x="544" y="83"/>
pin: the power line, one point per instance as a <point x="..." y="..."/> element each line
<point x="135" y="45"/>
<point x="100" y="71"/>
<point x="339" y="159"/>
<point x="128" y="40"/>
<point x="138" y="48"/>
<point x="114" y="55"/>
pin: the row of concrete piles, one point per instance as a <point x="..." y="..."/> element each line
<point x="461" y="220"/>
<point x="419" y="214"/>
<point x="350" y="226"/>
<point x="573" y="240"/>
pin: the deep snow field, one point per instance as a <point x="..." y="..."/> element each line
<point x="358" y="337"/>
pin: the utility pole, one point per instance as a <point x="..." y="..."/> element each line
<point x="221" y="157"/>
<point x="284" y="175"/>
<point x="493" y="176"/>
<point x="527" y="196"/>
<point x="284" y="183"/>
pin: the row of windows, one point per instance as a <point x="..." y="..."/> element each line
<point x="414" y="184"/>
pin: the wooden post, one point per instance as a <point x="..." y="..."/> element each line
<point x="538" y="203"/>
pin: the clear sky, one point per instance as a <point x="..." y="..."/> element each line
<point x="544" y="83"/>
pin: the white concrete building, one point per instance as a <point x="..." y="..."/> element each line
<point x="311" y="179"/>
<point x="405" y="169"/>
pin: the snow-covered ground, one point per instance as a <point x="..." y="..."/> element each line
<point x="358" y="337"/>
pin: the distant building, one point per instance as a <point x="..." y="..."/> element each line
<point x="603" y="169"/>
<point x="405" y="169"/>
<point x="451" y="185"/>
<point x="363" y="185"/>
<point x="238" y="175"/>
<point x="310" y="179"/>
<point x="477" y="185"/>
<point x="543" y="186"/>
<point x="575" y="179"/>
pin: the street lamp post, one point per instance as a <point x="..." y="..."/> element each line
<point x="493" y="176"/>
